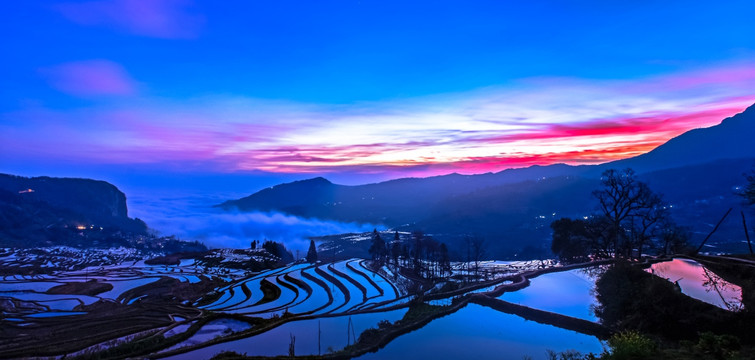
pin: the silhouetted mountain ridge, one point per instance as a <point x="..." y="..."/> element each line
<point x="731" y="139"/>
<point x="698" y="170"/>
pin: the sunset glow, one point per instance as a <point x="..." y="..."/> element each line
<point x="110" y="108"/>
<point x="442" y="180"/>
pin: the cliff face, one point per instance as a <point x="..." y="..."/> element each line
<point x="43" y="211"/>
<point x="96" y="198"/>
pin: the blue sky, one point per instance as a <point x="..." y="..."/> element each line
<point x="360" y="89"/>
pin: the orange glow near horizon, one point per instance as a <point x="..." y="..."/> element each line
<point x="537" y="122"/>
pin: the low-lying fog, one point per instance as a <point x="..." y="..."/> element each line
<point x="190" y="216"/>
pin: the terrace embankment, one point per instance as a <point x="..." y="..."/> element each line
<point x="544" y="317"/>
<point x="91" y="288"/>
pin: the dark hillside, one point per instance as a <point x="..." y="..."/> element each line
<point x="44" y="211"/>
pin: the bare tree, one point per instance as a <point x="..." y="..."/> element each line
<point x="629" y="205"/>
<point x="675" y="239"/>
<point x="478" y="251"/>
<point x="468" y="242"/>
<point x="645" y="222"/>
<point x="445" y="260"/>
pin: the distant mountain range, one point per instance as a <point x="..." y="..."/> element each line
<point x="697" y="171"/>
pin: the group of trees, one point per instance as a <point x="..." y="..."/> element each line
<point x="279" y="250"/>
<point x="631" y="219"/>
<point x="424" y="255"/>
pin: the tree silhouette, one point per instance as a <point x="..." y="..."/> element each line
<point x="478" y="252"/>
<point x="395" y="252"/>
<point x="675" y="240"/>
<point x="405" y="253"/>
<point x="631" y="208"/>
<point x="468" y="242"/>
<point x="416" y="252"/>
<point x="312" y="252"/>
<point x="278" y="249"/>
<point x="644" y="223"/>
<point x="377" y="249"/>
<point x="631" y="218"/>
<point x="396" y="248"/>
<point x="445" y="260"/>
<point x="571" y="240"/>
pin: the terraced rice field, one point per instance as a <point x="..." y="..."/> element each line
<point x="303" y="289"/>
<point x="257" y="313"/>
<point x="24" y="298"/>
<point x="298" y="292"/>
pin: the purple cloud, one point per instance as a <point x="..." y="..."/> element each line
<point x="168" y="19"/>
<point x="90" y="78"/>
<point x="539" y="121"/>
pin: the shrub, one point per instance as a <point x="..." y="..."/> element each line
<point x="630" y="345"/>
<point x="719" y="347"/>
<point x="565" y="355"/>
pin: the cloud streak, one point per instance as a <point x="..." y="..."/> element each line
<point x="169" y="19"/>
<point x="534" y="121"/>
<point x="90" y="78"/>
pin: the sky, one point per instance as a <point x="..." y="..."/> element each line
<point x="358" y="91"/>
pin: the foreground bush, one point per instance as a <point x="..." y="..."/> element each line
<point x="630" y="345"/>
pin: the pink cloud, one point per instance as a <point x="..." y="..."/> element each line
<point x="129" y="137"/>
<point x="660" y="126"/>
<point x="574" y="122"/>
<point x="428" y="166"/>
<point x="736" y="74"/>
<point x="90" y="78"/>
<point x="167" y="19"/>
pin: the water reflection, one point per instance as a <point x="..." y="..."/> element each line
<point x="334" y="334"/>
<point x="697" y="281"/>
<point x="569" y="293"/>
<point x="477" y="332"/>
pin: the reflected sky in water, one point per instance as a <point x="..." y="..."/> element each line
<point x="700" y="283"/>
<point x="335" y="335"/>
<point x="477" y="332"/>
<point x="568" y="293"/>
